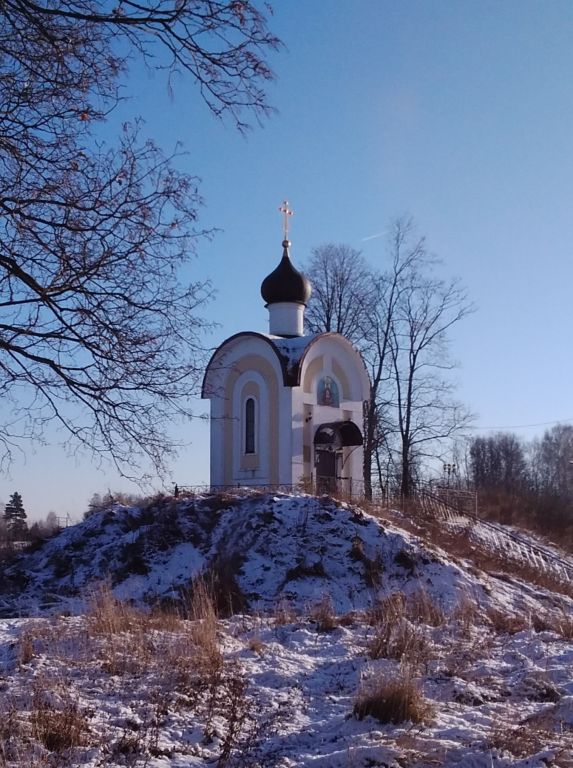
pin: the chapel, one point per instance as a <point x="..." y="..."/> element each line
<point x="286" y="408"/>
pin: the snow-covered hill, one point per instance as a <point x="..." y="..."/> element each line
<point x="335" y="614"/>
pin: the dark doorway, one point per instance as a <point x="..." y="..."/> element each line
<point x="325" y="471"/>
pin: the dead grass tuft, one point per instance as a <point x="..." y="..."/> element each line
<point x="395" y="636"/>
<point x="507" y="623"/>
<point x="373" y="567"/>
<point x="563" y="625"/>
<point x="284" y="613"/>
<point x="26" y="647"/>
<point x="393" y="699"/>
<point x="56" y="719"/>
<point x="323" y="614"/>
<point x="390" y="609"/>
<point x="256" y="645"/>
<point x="465" y="614"/>
<point x="402" y="641"/>
<point x="521" y="741"/>
<point x="106" y="615"/>
<point x="421" y="608"/>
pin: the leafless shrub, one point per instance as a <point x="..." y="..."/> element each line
<point x="322" y="612"/>
<point x="392" y="699"/>
<point x="219" y="501"/>
<point x="229" y="701"/>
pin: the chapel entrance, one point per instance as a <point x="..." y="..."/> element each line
<point x="326" y="474"/>
<point x="332" y="443"/>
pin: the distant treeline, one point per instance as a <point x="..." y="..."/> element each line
<point x="528" y="483"/>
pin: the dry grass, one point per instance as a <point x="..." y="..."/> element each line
<point x="521" y="741"/>
<point x="373" y="567"/>
<point x="322" y="612"/>
<point x="284" y="613"/>
<point x="459" y="543"/>
<point x="465" y="614"/>
<point x="154" y="663"/>
<point x="204" y="617"/>
<point x="255" y="644"/>
<point x="43" y="727"/>
<point x="563" y="625"/>
<point x="402" y="641"/>
<point x="505" y="623"/>
<point x="393" y="699"/>
<point x="26" y="649"/>
<point x="56" y="720"/>
<point x="106" y="615"/>
<point x="388" y="610"/>
<point x="395" y="634"/>
<point x="421" y="608"/>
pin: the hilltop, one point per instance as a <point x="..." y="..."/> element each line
<point x="270" y="629"/>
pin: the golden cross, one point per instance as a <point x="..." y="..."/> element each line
<point x="286" y="211"/>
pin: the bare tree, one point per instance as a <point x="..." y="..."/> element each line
<point x="406" y="254"/>
<point x="97" y="332"/>
<point x="343" y="291"/>
<point x="399" y="320"/>
<point x="552" y="462"/>
<point x="348" y="298"/>
<point x="498" y="462"/>
<point x="425" y="410"/>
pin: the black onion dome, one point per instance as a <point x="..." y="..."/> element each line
<point x="286" y="283"/>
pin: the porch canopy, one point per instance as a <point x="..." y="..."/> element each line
<point x="337" y="434"/>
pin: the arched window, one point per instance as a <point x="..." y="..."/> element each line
<point x="250" y="425"/>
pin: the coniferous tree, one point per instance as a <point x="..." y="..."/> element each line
<point x="15" y="517"/>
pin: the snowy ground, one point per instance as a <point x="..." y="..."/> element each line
<point x="339" y="606"/>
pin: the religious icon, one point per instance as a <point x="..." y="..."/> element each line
<point x="327" y="393"/>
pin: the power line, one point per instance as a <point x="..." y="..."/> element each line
<point x="525" y="426"/>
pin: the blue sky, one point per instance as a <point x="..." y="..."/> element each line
<point x="459" y="113"/>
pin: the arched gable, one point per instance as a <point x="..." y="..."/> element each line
<point x="225" y="357"/>
<point x="344" y="362"/>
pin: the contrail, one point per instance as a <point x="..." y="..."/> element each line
<point x="372" y="237"/>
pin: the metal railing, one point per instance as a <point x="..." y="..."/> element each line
<point x="319" y="487"/>
<point x="455" y="509"/>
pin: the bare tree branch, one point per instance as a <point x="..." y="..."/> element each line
<point x="98" y="332"/>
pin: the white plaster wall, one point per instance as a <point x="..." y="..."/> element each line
<point x="285" y="436"/>
<point x="286" y="318"/>
<point x="261" y="475"/>
<point x="216" y="429"/>
<point x="224" y="362"/>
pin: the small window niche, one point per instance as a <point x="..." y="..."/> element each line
<point x="250" y="416"/>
